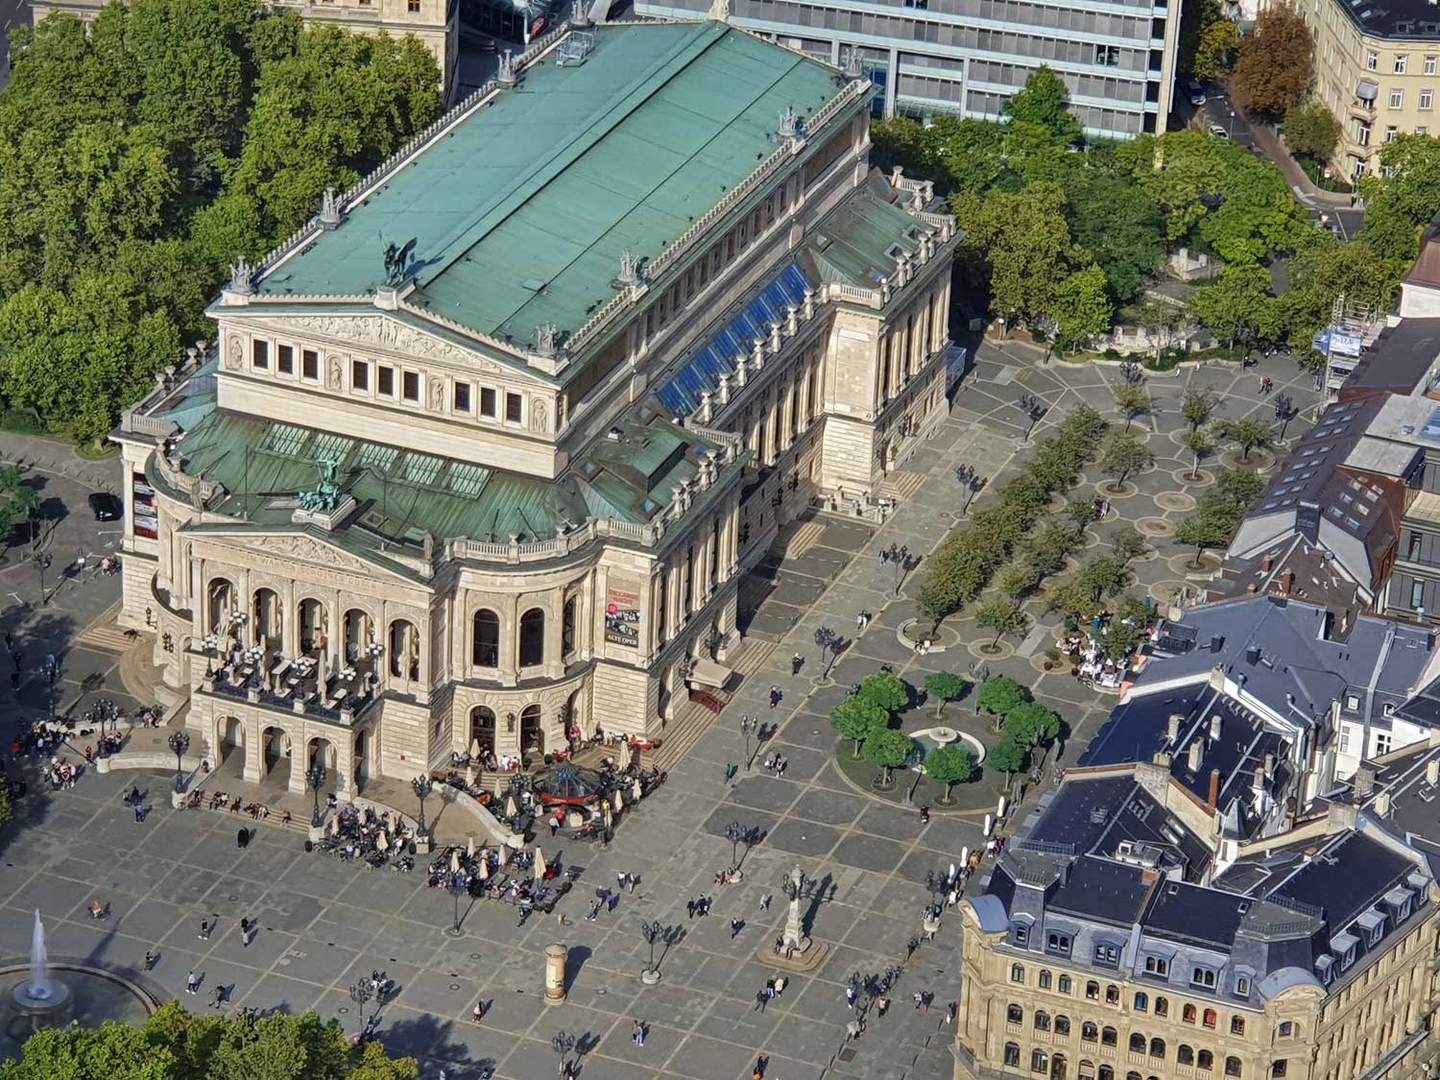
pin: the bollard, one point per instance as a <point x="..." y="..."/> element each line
<point x="555" y="974"/>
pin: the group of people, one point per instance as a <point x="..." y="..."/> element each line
<point x="357" y="832"/>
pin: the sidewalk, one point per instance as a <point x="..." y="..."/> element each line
<point x="56" y="456"/>
<point x="1295" y="176"/>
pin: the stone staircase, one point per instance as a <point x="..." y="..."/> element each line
<point x="693" y="718"/>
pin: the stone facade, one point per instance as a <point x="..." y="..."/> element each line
<point x="518" y="640"/>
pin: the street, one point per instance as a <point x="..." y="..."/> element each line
<point x="13" y="13"/>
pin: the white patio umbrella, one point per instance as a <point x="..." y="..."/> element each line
<point x="482" y="871"/>
<point x="619" y="800"/>
<point x="510" y="809"/>
<point x="965" y="856"/>
<point x="470" y="847"/>
<point x="635" y="792"/>
<point x="539" y="864"/>
<point x="454" y="862"/>
<point x="382" y="841"/>
<point x="475" y="749"/>
<point x="470" y="775"/>
<point x="333" y="826"/>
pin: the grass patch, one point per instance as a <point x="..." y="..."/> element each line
<point x="22" y="423"/>
<point x="91" y="452"/>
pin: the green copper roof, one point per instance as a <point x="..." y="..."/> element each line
<point x="856" y="244"/>
<point x="521" y="212"/>
<point x="403" y="493"/>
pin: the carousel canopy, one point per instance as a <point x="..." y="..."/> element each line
<point x="566" y="783"/>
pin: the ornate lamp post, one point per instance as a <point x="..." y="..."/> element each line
<point x="747" y="725"/>
<point x="179" y="743"/>
<point x="360" y="994"/>
<point x="651" y="932"/>
<point x="1285" y="411"/>
<point x="457" y="888"/>
<point x="562" y="1043"/>
<point x="315" y="777"/>
<point x="422" y="786"/>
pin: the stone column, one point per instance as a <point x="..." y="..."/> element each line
<point x="253" y="768"/>
<point x="299" y="761"/>
<point x="555" y="956"/>
<point x="345" y="765"/>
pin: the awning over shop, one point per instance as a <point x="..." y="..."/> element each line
<point x="708" y="673"/>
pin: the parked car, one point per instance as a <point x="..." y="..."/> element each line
<point x="1195" y="92"/>
<point x="1219" y="132"/>
<point x="106" y="507"/>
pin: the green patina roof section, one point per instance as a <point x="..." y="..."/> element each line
<point x="404" y="493"/>
<point x="520" y="214"/>
<point x="861" y="236"/>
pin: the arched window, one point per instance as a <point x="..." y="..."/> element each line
<point x="1014" y="1014"/>
<point x="1184" y="1055"/>
<point x="1132" y="1076"/>
<point x="532" y="734"/>
<point x="1038" y="1061"/>
<point x="1188" y="1014"/>
<point x="1087" y="1070"/>
<point x="1063" y="986"/>
<point x="1062" y="1025"/>
<point x="567" y="630"/>
<point x="532" y="638"/>
<point x="1112" y="994"/>
<point x="1142" y="1002"/>
<point x="1042" y="1020"/>
<point x="1157" y="1048"/>
<point x="482" y="728"/>
<point x="1012" y="1055"/>
<point x="1057" y="1067"/>
<point x="1137" y="1043"/>
<point x="1232" y="1066"/>
<point x="1092" y="990"/>
<point x="1044" y="979"/>
<point x="1108" y="1037"/>
<point x="486" y="650"/>
<point x="1107" y="1073"/>
<point x="1205" y="1060"/>
<point x="1089" y="1031"/>
<point x="1237" y="1025"/>
<point x="1162" y="1006"/>
<point x="1209" y="1018"/>
<point x="1017" y="973"/>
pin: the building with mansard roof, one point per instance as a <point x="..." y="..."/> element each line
<point x="483" y="450"/>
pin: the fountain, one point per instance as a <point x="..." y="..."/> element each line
<point x="42" y="999"/>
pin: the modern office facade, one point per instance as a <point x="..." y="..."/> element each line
<point x="1378" y="71"/>
<point x="435" y="23"/>
<point x="643" y="300"/>
<point x="966" y="57"/>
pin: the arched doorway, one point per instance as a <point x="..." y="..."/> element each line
<point x="322" y="750"/>
<point x="532" y="734"/>
<point x="404" y="649"/>
<point x="357" y="634"/>
<point x="276" y="764"/>
<point x="360" y="759"/>
<point x="221" y="598"/>
<point x="268" y="618"/>
<point x="482" y="731"/>
<point x="574" y="723"/>
<point x="314" y="625"/>
<point x="532" y="638"/>
<point x="232" y="737"/>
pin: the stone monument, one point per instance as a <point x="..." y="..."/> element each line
<point x="794" y="949"/>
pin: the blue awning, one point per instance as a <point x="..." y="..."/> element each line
<point x="681" y="395"/>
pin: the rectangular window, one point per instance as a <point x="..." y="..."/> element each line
<point x="359" y="375"/>
<point x="413" y="6"/>
<point x="1427" y="98"/>
<point x="410" y="386"/>
<point x="1362" y="136"/>
<point x="259" y="354"/>
<point x="385" y="380"/>
<point x="1344" y="739"/>
<point x="1372" y="61"/>
<point x="309" y="364"/>
<point x="513" y="406"/>
<point x="1352" y="702"/>
<point x="1382" y="744"/>
<point x="1400" y="61"/>
<point x="1422" y="130"/>
<point x="487" y="401"/>
<point x="1429" y="65"/>
<point x="285" y="359"/>
<point x="1397" y="99"/>
<point x="1415" y="540"/>
<point x="1417" y="595"/>
<point x="462" y="397"/>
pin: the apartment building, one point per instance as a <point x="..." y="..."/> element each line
<point x="434" y="22"/>
<point x="966" y="57"/>
<point x="1377" y="68"/>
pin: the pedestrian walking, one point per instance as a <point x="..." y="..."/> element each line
<point x="919" y="999"/>
<point x="854" y="1028"/>
<point x="247" y="929"/>
<point x="924" y="815"/>
<point x="150" y="959"/>
<point x="780" y="984"/>
<point x="620" y="877"/>
<point x="478" y="1012"/>
<point x="611" y="899"/>
<point x="736" y="925"/>
<point x="730" y="770"/>
<point x="192" y="983"/>
<point x="850" y="996"/>
<point x="637" y="1032"/>
<point x="765" y="902"/>
<point x="775" y="696"/>
<point x="690" y="909"/>
<point x="594" y="912"/>
<point x="950" y="1013"/>
<point x="781" y="764"/>
<point x="761" y="1000"/>
<point x="631" y="880"/>
<point x="205" y="928"/>
<point x="882" y="1005"/>
<point x="796" y="663"/>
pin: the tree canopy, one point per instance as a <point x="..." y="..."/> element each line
<point x="1001" y="694"/>
<point x="1273" y="72"/>
<point x="854" y="718"/>
<point x="138" y="159"/>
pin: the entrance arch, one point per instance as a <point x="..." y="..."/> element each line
<point x="275" y="749"/>
<point x="232" y="738"/>
<point x="357" y="634"/>
<point x="220" y="595"/>
<point x="532" y="731"/>
<point x="268" y="617"/>
<point x="323" y="750"/>
<point x="314" y="625"/>
<point x="482" y="730"/>
<point x="404" y="649"/>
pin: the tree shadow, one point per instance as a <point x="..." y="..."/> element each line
<point x="429" y="1038"/>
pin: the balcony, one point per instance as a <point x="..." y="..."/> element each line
<point x="302" y="685"/>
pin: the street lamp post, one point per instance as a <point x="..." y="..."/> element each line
<point x="747" y="725"/>
<point x="1284" y="412"/>
<point x="650" y="931"/>
<point x="562" y="1043"/>
<point x="360" y="994"/>
<point x="42" y="563"/>
<point x="1033" y="409"/>
<point x="179" y="743"/>
<point x="315" y="777"/>
<point x="457" y="889"/>
<point x="422" y="786"/>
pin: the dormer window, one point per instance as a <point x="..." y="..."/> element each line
<point x="1202" y="976"/>
<point x="1157" y="965"/>
<point x="1242" y="985"/>
<point x="1058" y="943"/>
<point x="1107" y="955"/>
<point x="1019" y="933"/>
<point x="1325" y="968"/>
<point x="1372" y="924"/>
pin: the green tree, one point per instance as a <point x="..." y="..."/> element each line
<point x="886" y="691"/>
<point x="1125" y="454"/>
<point x="1118" y="224"/>
<point x="1237" y="301"/>
<point x="1195" y="18"/>
<point x="1006" y="756"/>
<point x="1082" y="309"/>
<point x="1161" y="319"/>
<point x="1083" y="511"/>
<point x="999" y="695"/>
<point x="1043" y="103"/>
<point x="18" y="501"/>
<point x="1215" y="53"/>
<point x="1197" y="405"/>
<point x="855" y="718"/>
<point x="1207" y="527"/>
<point x="1274" y="70"/>
<point x="1018" y="580"/>
<point x="1103" y="576"/>
<point x="1070" y="598"/>
<point x="1247" y="433"/>
<point x="1397" y="196"/>
<point x="1199" y="443"/>
<point x="1236" y="489"/>
<point x="1359" y="270"/>
<point x="1311" y="130"/>
<point x="1126" y="543"/>
<point x="887" y="748"/>
<point x="1131" y="400"/>
<point x="1002" y="616"/>
<point x="942" y="687"/>
<point x="949" y="765"/>
<point x="1031" y="724"/>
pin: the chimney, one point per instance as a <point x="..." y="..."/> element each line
<point x="1382" y="805"/>
<point x="1215" y="727"/>
<point x="1172" y="727"/>
<point x="1365" y="779"/>
<point x="1252" y="654"/>
<point x="1432" y="771"/>
<point x="1268" y="564"/>
<point x="1287" y="581"/>
<point x="1269" y="766"/>
<point x="1197" y="750"/>
<point x="1213" y="800"/>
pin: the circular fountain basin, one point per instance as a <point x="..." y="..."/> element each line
<point x="933" y="738"/>
<point x="85" y="995"/>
